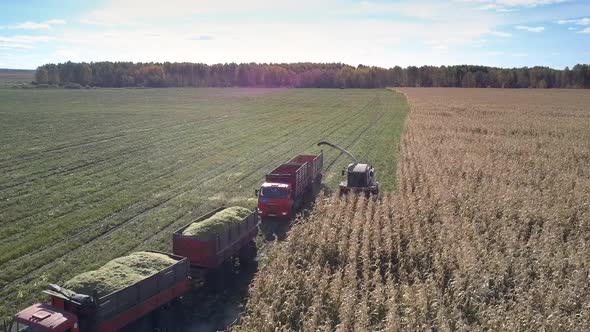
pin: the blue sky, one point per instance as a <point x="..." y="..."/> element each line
<point x="504" y="33"/>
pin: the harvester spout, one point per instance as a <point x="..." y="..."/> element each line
<point x="339" y="148"/>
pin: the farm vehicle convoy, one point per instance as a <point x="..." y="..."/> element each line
<point x="193" y="257"/>
<point x="198" y="253"/>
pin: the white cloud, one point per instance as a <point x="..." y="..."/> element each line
<point x="45" y="25"/>
<point x="371" y="32"/>
<point x="578" y="21"/>
<point x="55" y="22"/>
<point x="496" y="7"/>
<point x="129" y="12"/>
<point x="23" y="42"/>
<point x="96" y="22"/>
<point x="32" y="26"/>
<point x="585" y="30"/>
<point x="530" y="29"/>
<point x="422" y="10"/>
<point x="528" y="3"/>
<point x="133" y="12"/>
<point x="375" y="41"/>
<point x="511" y="5"/>
<point x="349" y="39"/>
<point x="203" y="37"/>
<point x="500" y="34"/>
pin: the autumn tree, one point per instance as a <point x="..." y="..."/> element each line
<point x="305" y="74"/>
<point x="41" y="76"/>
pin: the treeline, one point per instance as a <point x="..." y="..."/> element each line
<point x="306" y="75"/>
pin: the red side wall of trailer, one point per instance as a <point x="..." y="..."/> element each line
<point x="211" y="252"/>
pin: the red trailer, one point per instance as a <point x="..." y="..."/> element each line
<point x="281" y="195"/>
<point x="83" y="313"/>
<point x="208" y="254"/>
<point x="67" y="312"/>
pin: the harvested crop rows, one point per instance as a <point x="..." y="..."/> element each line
<point x="489" y="229"/>
<point x="90" y="175"/>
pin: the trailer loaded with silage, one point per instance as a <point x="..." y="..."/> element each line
<point x="130" y="287"/>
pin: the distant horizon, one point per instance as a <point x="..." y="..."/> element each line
<point x="347" y="64"/>
<point x="381" y="33"/>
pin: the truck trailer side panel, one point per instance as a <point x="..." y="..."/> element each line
<point x="115" y="310"/>
<point x="114" y="304"/>
<point x="292" y="174"/>
<point x="145" y="307"/>
<point x="314" y="164"/>
<point x="210" y="253"/>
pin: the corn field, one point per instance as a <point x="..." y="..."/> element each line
<point x="489" y="228"/>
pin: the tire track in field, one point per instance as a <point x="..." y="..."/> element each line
<point x="169" y="140"/>
<point x="242" y="162"/>
<point x="43" y="137"/>
<point x="119" y="152"/>
<point x="197" y="139"/>
<point x="118" y="183"/>
<point x="365" y="151"/>
<point x="129" y="131"/>
<point x="386" y="129"/>
<point x="102" y="131"/>
<point x="355" y="140"/>
<point x="140" y="139"/>
<point x="35" y="154"/>
<point x="231" y="146"/>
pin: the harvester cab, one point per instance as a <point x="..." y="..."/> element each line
<point x="359" y="177"/>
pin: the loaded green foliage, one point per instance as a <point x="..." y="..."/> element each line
<point x="217" y="223"/>
<point x="119" y="273"/>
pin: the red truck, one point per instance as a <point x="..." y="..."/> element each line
<point x="195" y="258"/>
<point x="74" y="313"/>
<point x="281" y="195"/>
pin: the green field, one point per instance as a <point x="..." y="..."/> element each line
<point x="89" y="175"/>
<point x="13" y="77"/>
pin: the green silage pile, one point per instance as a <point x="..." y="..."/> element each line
<point x="119" y="273"/>
<point x="217" y="223"/>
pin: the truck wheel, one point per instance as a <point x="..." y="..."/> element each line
<point x="247" y="255"/>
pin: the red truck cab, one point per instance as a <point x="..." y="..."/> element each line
<point x="274" y="200"/>
<point x="44" y="318"/>
<point x="281" y="195"/>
